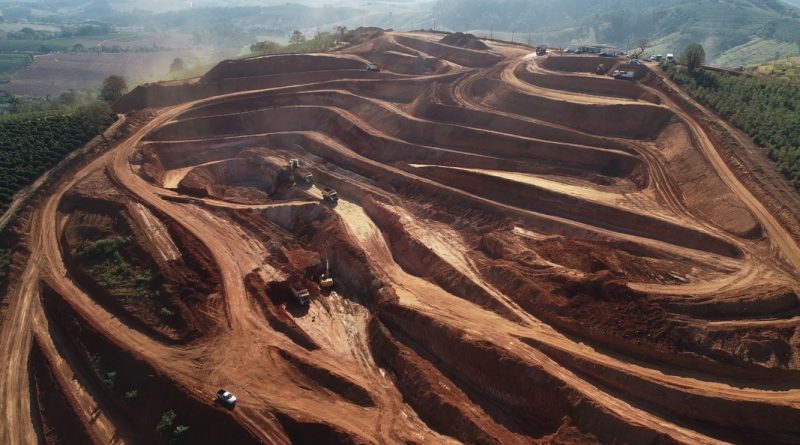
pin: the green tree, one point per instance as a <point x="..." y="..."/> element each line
<point x="265" y="47"/>
<point x="297" y="37"/>
<point x="694" y="56"/>
<point x="172" y="434"/>
<point x="177" y="65"/>
<point x="113" y="88"/>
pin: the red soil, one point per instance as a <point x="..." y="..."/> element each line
<point x="522" y="252"/>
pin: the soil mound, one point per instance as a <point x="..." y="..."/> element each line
<point x="464" y="41"/>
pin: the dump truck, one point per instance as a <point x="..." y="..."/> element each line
<point x="541" y="50"/>
<point x="330" y="194"/>
<point x="300" y="293"/>
<point x="374" y="68"/>
<point x="294" y="164"/>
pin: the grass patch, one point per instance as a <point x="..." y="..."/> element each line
<point x="788" y="69"/>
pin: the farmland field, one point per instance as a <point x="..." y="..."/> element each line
<point x="53" y="74"/>
<point x="10" y="63"/>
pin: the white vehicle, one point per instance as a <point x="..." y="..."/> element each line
<point x="670" y="57"/>
<point x="226" y="398"/>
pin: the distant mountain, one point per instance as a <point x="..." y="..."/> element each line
<point x="733" y="32"/>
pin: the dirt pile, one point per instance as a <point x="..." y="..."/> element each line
<point x="464" y="41"/>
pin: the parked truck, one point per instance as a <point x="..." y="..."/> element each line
<point x="300" y="293"/>
<point x="330" y="194"/>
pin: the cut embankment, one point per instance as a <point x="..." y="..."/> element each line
<point x="634" y="121"/>
<point x="578" y="64"/>
<point x="704" y="193"/>
<point x="343" y="126"/>
<point x="327" y="379"/>
<point x="599" y="86"/>
<point x="53" y="409"/>
<point x="516" y="392"/>
<point x="390" y="56"/>
<point x="538" y="199"/>
<point x="419" y="259"/>
<point x="459" y="56"/>
<point x="282" y="64"/>
<point x="438" y="401"/>
<point x="518" y="126"/>
<point x="759" y="422"/>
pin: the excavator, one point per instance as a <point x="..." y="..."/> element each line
<point x="326" y="280"/>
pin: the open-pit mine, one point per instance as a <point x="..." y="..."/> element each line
<point x="406" y="241"/>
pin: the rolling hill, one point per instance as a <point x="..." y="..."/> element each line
<point x="733" y="32"/>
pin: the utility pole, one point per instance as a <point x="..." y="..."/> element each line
<point x="434" y="25"/>
<point x="512" y="36"/>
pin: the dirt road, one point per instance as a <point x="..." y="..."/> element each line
<point x="521" y="254"/>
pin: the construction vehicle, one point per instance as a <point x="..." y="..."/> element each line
<point x="300" y="293"/>
<point x="623" y="75"/>
<point x="671" y="58"/>
<point x="326" y="280"/>
<point x="374" y="68"/>
<point x="294" y="164"/>
<point x="541" y="50"/>
<point x="601" y="69"/>
<point x="304" y="177"/>
<point x="330" y="194"/>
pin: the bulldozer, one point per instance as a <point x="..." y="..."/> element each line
<point x="326" y="280"/>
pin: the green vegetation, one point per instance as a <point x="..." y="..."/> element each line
<point x="111" y="270"/>
<point x="12" y="62"/>
<point x="324" y="41"/>
<point x="32" y="143"/>
<point x="767" y="109"/>
<point x="694" y="56"/>
<point x="787" y="69"/>
<point x="723" y="27"/>
<point x="171" y="433"/>
<point x="113" y="88"/>
<point x="107" y="377"/>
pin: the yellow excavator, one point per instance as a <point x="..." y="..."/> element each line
<point x="326" y="280"/>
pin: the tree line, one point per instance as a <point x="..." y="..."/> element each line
<point x="32" y="142"/>
<point x="767" y="109"/>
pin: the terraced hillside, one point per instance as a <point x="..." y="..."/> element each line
<point x="523" y="252"/>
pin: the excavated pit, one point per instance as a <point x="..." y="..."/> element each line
<point x="522" y="251"/>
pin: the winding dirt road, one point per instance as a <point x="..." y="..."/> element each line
<point x="523" y="251"/>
